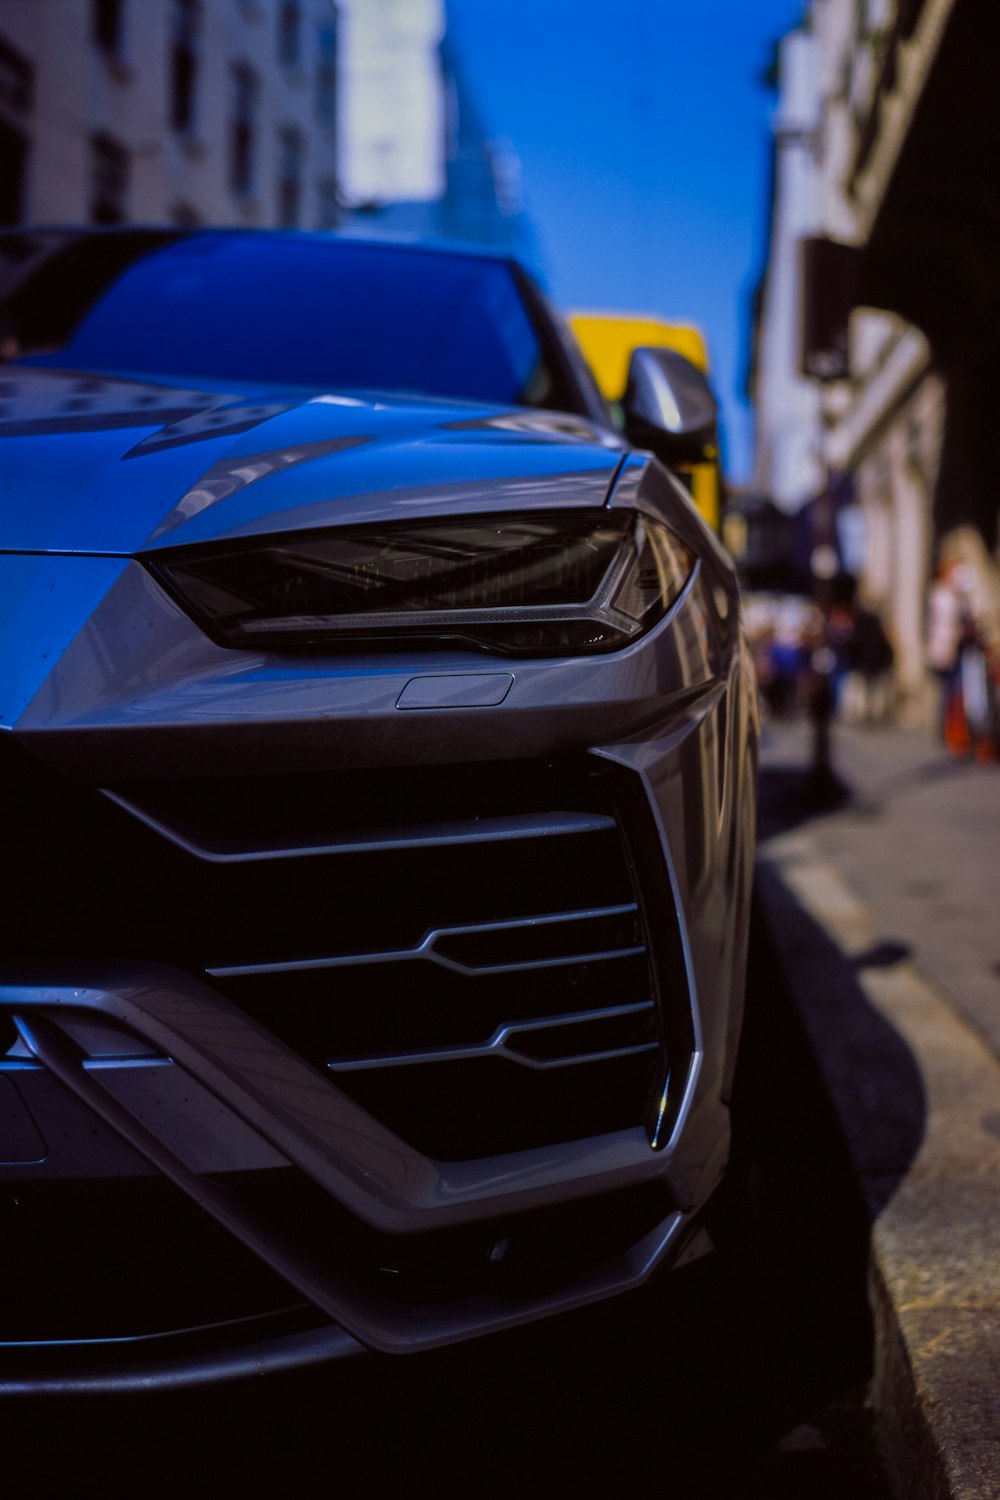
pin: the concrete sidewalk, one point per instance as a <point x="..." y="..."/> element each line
<point x="880" y="892"/>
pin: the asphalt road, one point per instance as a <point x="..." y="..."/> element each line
<point x="741" y="1377"/>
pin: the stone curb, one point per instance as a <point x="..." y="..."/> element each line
<point x="917" y="1094"/>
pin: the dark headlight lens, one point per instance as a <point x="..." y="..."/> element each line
<point x="517" y="584"/>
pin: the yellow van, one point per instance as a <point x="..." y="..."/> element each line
<point x="607" y="340"/>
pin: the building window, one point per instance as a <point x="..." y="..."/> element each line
<point x="13" y="174"/>
<point x="108" y="18"/>
<point x="108" y="180"/>
<point x="243" y="131"/>
<point x="290" y="33"/>
<point x="326" y="76"/>
<point x="185" y="25"/>
<point x="327" y="204"/>
<point x="289" y="178"/>
<point x="17" y="86"/>
<point x="16" y="79"/>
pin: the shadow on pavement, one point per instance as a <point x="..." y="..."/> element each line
<point x="884" y="955"/>
<point x="791" y="795"/>
<point x="865" y="1067"/>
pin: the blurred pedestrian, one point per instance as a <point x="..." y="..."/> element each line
<point x="838" y="635"/>
<point x="945" y="628"/>
<point x="789" y="659"/>
<point x="978" y="694"/>
<point x="820" y="702"/>
<point x="867" y="695"/>
<point x="840" y="643"/>
<point x="959" y="654"/>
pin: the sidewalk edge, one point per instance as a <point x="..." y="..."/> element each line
<point x="917" y="1095"/>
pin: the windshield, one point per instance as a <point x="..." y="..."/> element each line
<point x="279" y="310"/>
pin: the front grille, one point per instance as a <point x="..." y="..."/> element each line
<point x="463" y="950"/>
<point x="505" y="1002"/>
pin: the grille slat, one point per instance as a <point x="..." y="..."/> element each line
<point x="503" y="1044"/>
<point x="526" y="1023"/>
<point x="248" y="845"/>
<point x="511" y="971"/>
<point x="430" y="947"/>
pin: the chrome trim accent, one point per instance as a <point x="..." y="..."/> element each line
<point x="617" y="755"/>
<point x="368" y="841"/>
<point x="425" y="949"/>
<point x="156" y="1366"/>
<point x="497" y="1045"/>
<point x="172" y="1334"/>
<point x="109" y="1064"/>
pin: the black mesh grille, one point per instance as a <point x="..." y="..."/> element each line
<point x="463" y="949"/>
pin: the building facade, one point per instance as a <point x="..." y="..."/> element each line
<point x="897" y="291"/>
<point x="416" y="158"/>
<point x="169" y="111"/>
<point x="393" y="104"/>
<point x="297" y="113"/>
<point x="789" y="461"/>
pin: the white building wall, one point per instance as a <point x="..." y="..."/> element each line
<point x="80" y="91"/>
<point x="54" y="40"/>
<point x="833" y="24"/>
<point x="393" y="122"/>
<point x="789" y="465"/>
<point x="883" y="425"/>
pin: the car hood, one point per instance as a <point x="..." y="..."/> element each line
<point x="96" y="464"/>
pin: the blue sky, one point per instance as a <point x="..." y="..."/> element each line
<point x="642" y="130"/>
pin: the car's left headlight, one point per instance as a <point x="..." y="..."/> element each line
<point x="562" y="583"/>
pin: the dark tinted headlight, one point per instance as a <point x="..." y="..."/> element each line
<point x="517" y="584"/>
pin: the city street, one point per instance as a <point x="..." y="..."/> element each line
<point x="492" y="573"/>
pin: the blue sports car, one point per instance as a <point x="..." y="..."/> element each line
<point x="378" y="744"/>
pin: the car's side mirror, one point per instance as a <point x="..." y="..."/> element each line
<point x="669" y="407"/>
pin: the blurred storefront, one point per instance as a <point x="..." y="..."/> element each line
<point x="896" y="296"/>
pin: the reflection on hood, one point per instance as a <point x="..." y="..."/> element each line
<point x="106" y="465"/>
<point x="225" y="478"/>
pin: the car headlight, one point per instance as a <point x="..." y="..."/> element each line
<point x="564" y="583"/>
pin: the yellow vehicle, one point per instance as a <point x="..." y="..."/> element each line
<point x="607" y="340"/>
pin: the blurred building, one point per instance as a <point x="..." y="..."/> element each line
<point x="894" y="294"/>
<point x="306" y="113"/>
<point x="182" y="111"/>
<point x="789" y="458"/>
<point x="415" y="156"/>
<point x="393" y="107"/>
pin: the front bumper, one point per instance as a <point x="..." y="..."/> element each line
<point x="441" y="1044"/>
